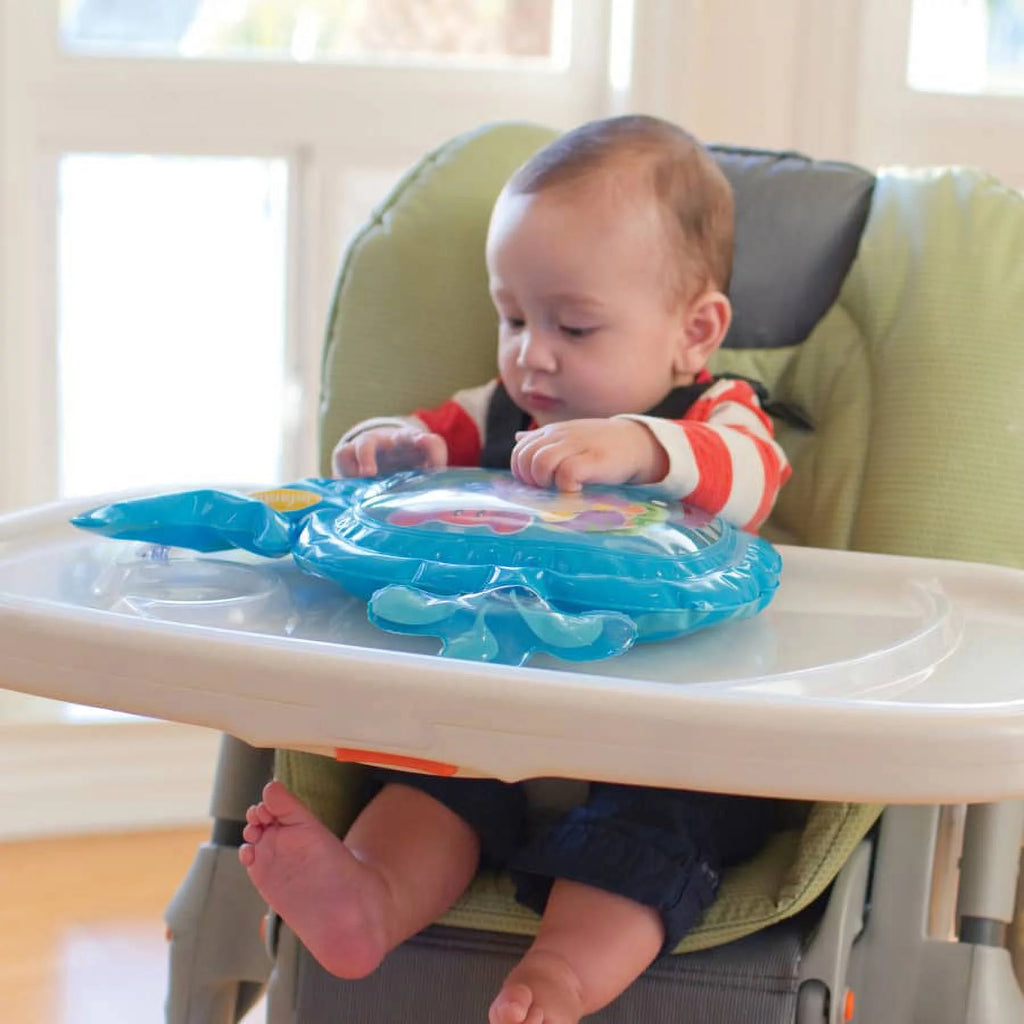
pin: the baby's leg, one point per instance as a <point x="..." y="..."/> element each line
<point x="592" y="944"/>
<point x="405" y="860"/>
<point x="645" y="864"/>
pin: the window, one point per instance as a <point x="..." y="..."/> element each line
<point x="180" y="178"/>
<point x="942" y="82"/>
<point x="967" y="46"/>
<point x="171" y="340"/>
<point x="492" y="31"/>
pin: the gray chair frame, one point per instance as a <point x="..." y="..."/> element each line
<point x="911" y="936"/>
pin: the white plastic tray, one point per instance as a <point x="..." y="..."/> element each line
<point x="870" y="677"/>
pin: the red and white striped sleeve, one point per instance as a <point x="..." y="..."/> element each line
<point x="722" y="455"/>
<point x="461" y="421"/>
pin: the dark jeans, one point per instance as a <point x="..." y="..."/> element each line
<point x="664" y="848"/>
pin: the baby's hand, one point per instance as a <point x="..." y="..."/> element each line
<point x="384" y="450"/>
<point x="570" y="454"/>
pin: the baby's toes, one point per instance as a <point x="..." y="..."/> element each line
<point x="512" y="1005"/>
<point x="252" y="833"/>
<point x="261" y="814"/>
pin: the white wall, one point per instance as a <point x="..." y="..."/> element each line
<point x="775" y="75"/>
<point x="825" y="77"/>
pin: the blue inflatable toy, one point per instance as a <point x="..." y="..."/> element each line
<point x="496" y="569"/>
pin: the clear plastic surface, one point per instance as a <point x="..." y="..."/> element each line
<point x="497" y="570"/>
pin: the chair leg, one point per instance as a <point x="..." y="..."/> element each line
<point x="242" y="772"/>
<point x="1015" y="936"/>
<point x="901" y="973"/>
<point x="218" y="961"/>
<point x="989" y="870"/>
<point x="825" y="967"/>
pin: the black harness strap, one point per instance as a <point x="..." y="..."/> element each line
<point x="505" y="419"/>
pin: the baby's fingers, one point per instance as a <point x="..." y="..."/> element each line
<point x="411" y="450"/>
<point x="435" y="451"/>
<point x="365" y="449"/>
<point x="524" y="463"/>
<point x="351" y="459"/>
<point x="574" y="471"/>
<point x="538" y="462"/>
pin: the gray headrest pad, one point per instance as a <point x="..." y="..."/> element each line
<point x="798" y="225"/>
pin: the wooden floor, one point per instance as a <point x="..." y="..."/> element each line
<point x="81" y="927"/>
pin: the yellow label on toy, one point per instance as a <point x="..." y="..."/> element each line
<point x="287" y="499"/>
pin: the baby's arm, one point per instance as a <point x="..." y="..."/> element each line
<point x="572" y="453"/>
<point x="381" y="446"/>
<point x="449" y="434"/>
<point x="723" y="457"/>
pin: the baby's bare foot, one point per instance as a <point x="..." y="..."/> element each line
<point x="542" y="989"/>
<point x="333" y="902"/>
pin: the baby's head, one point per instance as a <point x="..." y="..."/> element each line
<point x="609" y="255"/>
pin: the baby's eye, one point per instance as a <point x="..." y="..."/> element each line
<point x="576" y="332"/>
<point x="514" y="323"/>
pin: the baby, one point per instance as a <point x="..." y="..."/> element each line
<point x="609" y="254"/>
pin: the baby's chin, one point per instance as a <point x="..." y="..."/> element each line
<point x="546" y="420"/>
<point x="544" y="410"/>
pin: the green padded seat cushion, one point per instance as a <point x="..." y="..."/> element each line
<point x="918" y="357"/>
<point x="787" y="875"/>
<point x="940" y="256"/>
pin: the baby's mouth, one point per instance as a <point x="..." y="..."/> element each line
<point x="539" y="400"/>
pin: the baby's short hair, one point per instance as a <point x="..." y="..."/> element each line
<point x="694" y="195"/>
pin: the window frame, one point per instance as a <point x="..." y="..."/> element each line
<point x="896" y="123"/>
<point x="320" y="117"/>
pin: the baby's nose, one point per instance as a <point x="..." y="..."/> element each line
<point x="534" y="352"/>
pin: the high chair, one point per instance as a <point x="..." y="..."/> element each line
<point x="882" y="313"/>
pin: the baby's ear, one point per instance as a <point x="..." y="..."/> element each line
<point x="706" y="321"/>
